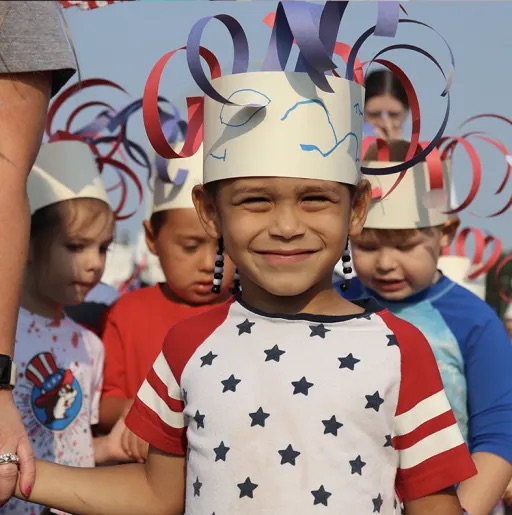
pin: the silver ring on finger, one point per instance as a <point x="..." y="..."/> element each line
<point x="8" y="458"/>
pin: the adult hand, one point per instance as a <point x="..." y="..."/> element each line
<point x="14" y="439"/>
<point x="136" y="448"/>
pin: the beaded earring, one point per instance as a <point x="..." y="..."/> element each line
<point x="347" y="268"/>
<point x="236" y="283"/>
<point x="218" y="272"/>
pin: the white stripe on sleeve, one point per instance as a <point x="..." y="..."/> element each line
<point x="426" y="410"/>
<point x="164" y="373"/>
<point x="154" y="402"/>
<point x="434" y="444"/>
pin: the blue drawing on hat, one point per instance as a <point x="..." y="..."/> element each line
<point x="221" y="157"/>
<point x="56" y="396"/>
<point x="243" y="114"/>
<point x="306" y="147"/>
<point x="357" y="109"/>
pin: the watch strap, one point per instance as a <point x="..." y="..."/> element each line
<point x="7" y="372"/>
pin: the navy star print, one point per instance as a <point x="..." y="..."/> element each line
<point x="357" y="465"/>
<point x="392" y="340"/>
<point x="331" y="426"/>
<point x="320" y="496"/>
<point x="348" y="361"/>
<point x="377" y="504"/>
<point x="259" y="417"/>
<point x="207" y="359"/>
<point x="245" y="327"/>
<point x="197" y="487"/>
<point x="230" y="384"/>
<point x="374" y="401"/>
<point x="318" y="330"/>
<point x="199" y="419"/>
<point x="288" y="455"/>
<point x="220" y="452"/>
<point x="301" y="386"/>
<point x="247" y="488"/>
<point x="274" y="354"/>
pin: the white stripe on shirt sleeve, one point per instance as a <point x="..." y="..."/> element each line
<point x="432" y="445"/>
<point x="164" y="373"/>
<point x="152" y="400"/>
<point x="426" y="410"/>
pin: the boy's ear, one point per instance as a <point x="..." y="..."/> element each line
<point x="150" y="236"/>
<point x="360" y="205"/>
<point x="206" y="210"/>
<point x="448" y="231"/>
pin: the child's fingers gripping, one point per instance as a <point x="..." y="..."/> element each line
<point x="142" y="449"/>
<point x="27" y="466"/>
<point x="126" y="442"/>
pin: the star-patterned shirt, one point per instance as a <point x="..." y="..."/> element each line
<point x="289" y="414"/>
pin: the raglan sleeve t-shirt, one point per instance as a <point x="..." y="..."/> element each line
<point x="299" y="412"/>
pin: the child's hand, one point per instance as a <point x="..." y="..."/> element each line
<point x="114" y="443"/>
<point x="133" y="446"/>
<point x="507" y="495"/>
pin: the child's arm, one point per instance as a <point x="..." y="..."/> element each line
<point x="158" y="487"/>
<point x="114" y="400"/>
<point x="109" y="448"/>
<point x="487" y="357"/>
<point x="444" y="502"/>
<point x="480" y="493"/>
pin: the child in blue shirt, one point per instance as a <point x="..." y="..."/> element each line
<point x="395" y="258"/>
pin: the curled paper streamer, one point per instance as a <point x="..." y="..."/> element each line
<point x="94" y="135"/>
<point x="387" y="23"/>
<point x="88" y="5"/>
<point x="500" y="147"/>
<point x="480" y="266"/>
<point x="195" y="107"/>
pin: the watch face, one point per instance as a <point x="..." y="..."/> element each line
<point x="5" y="370"/>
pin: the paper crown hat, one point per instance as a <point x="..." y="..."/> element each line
<point x="457" y="269"/>
<point x="419" y="198"/>
<point x="305" y="123"/>
<point x="185" y="174"/>
<point x="64" y="170"/>
<point x="471" y="272"/>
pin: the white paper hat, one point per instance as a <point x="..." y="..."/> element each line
<point x="298" y="130"/>
<point x="64" y="170"/>
<point x="412" y="205"/>
<point x="178" y="196"/>
<point x="457" y="269"/>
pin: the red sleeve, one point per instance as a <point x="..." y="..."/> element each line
<point x="114" y="374"/>
<point x="157" y="413"/>
<point x="433" y="455"/>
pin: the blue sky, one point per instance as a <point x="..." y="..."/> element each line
<point x="123" y="42"/>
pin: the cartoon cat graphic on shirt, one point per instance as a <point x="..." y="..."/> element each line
<point x="56" y="394"/>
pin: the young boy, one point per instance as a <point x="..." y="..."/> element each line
<point x="288" y="399"/>
<point x="137" y="323"/>
<point x="396" y="261"/>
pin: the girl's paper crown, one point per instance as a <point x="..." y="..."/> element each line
<point x="71" y="163"/>
<point x="305" y="123"/>
<point x="471" y="272"/>
<point x="64" y="170"/>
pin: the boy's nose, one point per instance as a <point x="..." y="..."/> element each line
<point x="287" y="224"/>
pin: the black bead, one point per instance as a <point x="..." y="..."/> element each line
<point x="215" y="288"/>
<point x="345" y="259"/>
<point x="345" y="285"/>
<point x="217" y="275"/>
<point x="347" y="270"/>
<point x="219" y="263"/>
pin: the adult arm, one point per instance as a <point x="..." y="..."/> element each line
<point x="444" y="502"/>
<point x="35" y="58"/>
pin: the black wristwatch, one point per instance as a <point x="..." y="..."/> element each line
<point x="7" y="373"/>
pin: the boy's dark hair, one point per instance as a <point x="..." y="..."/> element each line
<point x="384" y="82"/>
<point x="157" y="221"/>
